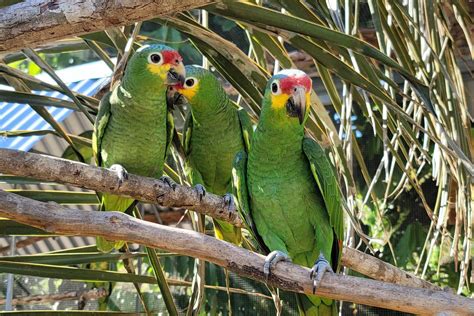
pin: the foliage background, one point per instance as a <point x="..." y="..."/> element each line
<point x="393" y="116"/>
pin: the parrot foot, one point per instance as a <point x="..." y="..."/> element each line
<point x="272" y="259"/>
<point x="229" y="201"/>
<point x="317" y="271"/>
<point x="200" y="191"/>
<point x="120" y="171"/>
<point x="169" y="182"/>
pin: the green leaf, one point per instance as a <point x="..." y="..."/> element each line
<point x="61" y="197"/>
<point x="72" y="258"/>
<point x="70" y="273"/>
<point x="9" y="227"/>
<point x="48" y="69"/>
<point x="159" y="275"/>
<point x="35" y="99"/>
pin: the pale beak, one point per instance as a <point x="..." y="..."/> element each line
<point x="296" y="104"/>
<point x="176" y="74"/>
<point x="173" y="97"/>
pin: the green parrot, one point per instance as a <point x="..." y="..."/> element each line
<point x="214" y="131"/>
<point x="134" y="126"/>
<point x="287" y="189"/>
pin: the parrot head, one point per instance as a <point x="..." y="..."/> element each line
<point x="287" y="96"/>
<point x="157" y="65"/>
<point x="198" y="88"/>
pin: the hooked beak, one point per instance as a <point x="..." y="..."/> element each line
<point x="296" y="104"/>
<point x="173" y="97"/>
<point x="176" y="75"/>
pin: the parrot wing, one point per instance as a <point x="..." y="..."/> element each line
<point x="246" y="127"/>
<point x="100" y="126"/>
<point x="187" y="131"/>
<point x="240" y="191"/>
<point x="326" y="180"/>
<point x="169" y="131"/>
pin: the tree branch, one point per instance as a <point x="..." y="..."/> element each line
<point x="85" y="176"/>
<point x="118" y="226"/>
<point x="34" y="22"/>
<point x="380" y="270"/>
<point x="66" y="296"/>
<point x="21" y="244"/>
<point x="49" y="168"/>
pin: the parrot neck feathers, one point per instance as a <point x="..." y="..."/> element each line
<point x="214" y="109"/>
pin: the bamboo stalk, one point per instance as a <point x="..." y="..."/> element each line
<point x="118" y="226"/>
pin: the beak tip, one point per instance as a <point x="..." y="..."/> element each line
<point x="181" y="79"/>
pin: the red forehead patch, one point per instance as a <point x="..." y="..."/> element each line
<point x="171" y="57"/>
<point x="288" y="83"/>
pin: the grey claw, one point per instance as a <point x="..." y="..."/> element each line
<point x="169" y="182"/>
<point x="317" y="271"/>
<point x="272" y="259"/>
<point x="229" y="201"/>
<point x="200" y="190"/>
<point x="120" y="171"/>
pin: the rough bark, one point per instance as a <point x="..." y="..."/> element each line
<point x="66" y="296"/>
<point x="118" y="226"/>
<point x="34" y="22"/>
<point x="85" y="176"/>
<point x="49" y="168"/>
<point x="379" y="270"/>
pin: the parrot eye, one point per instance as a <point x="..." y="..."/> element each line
<point x="276" y="88"/>
<point x="190" y="82"/>
<point x="155" y="58"/>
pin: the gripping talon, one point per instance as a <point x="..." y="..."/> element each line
<point x="167" y="180"/>
<point x="229" y="201"/>
<point x="200" y="190"/>
<point x="272" y="259"/>
<point x="121" y="173"/>
<point x="317" y="271"/>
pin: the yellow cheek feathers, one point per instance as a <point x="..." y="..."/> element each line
<point x="189" y="93"/>
<point x="160" y="70"/>
<point x="279" y="101"/>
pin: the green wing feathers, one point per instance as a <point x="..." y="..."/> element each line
<point x="100" y="126"/>
<point x="240" y="192"/>
<point x="169" y="131"/>
<point x="326" y="180"/>
<point x="246" y="127"/>
<point x="187" y="130"/>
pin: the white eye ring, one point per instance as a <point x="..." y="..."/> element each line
<point x="190" y="82"/>
<point x="275" y="87"/>
<point x="155" y="58"/>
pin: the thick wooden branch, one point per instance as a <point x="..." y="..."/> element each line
<point x="49" y="168"/>
<point x="118" y="226"/>
<point x="66" y="296"/>
<point x="33" y="22"/>
<point x="85" y="176"/>
<point x="379" y="270"/>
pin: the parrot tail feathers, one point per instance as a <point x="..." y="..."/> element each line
<point x="104" y="245"/>
<point x="227" y="232"/>
<point x="310" y="305"/>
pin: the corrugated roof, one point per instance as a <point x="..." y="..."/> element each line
<point x="85" y="79"/>
<point x="16" y="116"/>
